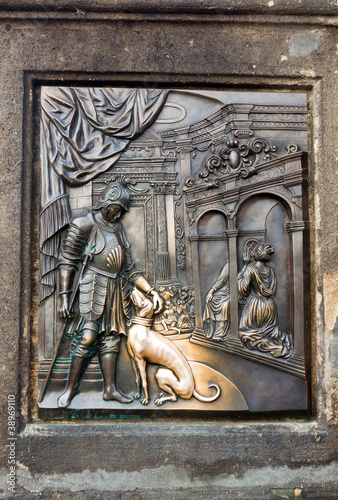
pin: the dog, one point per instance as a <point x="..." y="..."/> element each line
<point x="145" y="345"/>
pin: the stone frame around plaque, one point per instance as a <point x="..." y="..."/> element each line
<point x="183" y="183"/>
<point x="220" y="45"/>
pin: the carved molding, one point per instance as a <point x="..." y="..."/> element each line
<point x="179" y="234"/>
<point x="265" y="175"/>
<point x="138" y="152"/>
<point x="295" y="226"/>
<point x="197" y="194"/>
<point x="164" y="187"/>
<point x="278" y="125"/>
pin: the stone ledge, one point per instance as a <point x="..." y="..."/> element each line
<point x="262" y="7"/>
<point x="176" y="426"/>
<point x="164" y="478"/>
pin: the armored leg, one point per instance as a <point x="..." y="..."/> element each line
<point x="77" y="365"/>
<point x="108" y="352"/>
<point x="83" y="349"/>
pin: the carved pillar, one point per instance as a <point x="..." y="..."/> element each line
<point x="162" y="258"/>
<point x="296" y="228"/>
<point x="233" y="273"/>
<point x="197" y="286"/>
<point x="242" y="121"/>
<point x="170" y="222"/>
<point x="185" y="172"/>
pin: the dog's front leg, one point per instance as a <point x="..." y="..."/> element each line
<point x="137" y="394"/>
<point x="141" y="365"/>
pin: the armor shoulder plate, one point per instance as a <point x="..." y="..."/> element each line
<point x="76" y="238"/>
<point x="85" y="222"/>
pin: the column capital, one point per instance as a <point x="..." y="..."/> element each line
<point x="232" y="233"/>
<point x="297" y="225"/>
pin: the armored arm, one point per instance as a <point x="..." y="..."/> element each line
<point x="135" y="276"/>
<point x="137" y="279"/>
<point x="72" y="249"/>
<point x="145" y="286"/>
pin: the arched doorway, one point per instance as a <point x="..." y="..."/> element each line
<point x="212" y="253"/>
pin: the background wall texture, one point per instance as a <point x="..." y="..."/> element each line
<point x="225" y="44"/>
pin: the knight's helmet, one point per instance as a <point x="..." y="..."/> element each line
<point x="113" y="194"/>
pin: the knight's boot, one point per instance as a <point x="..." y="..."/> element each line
<point x="108" y="368"/>
<point x="76" y="366"/>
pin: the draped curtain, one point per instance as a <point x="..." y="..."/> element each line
<point x="84" y="131"/>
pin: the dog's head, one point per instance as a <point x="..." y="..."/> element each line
<point x="143" y="306"/>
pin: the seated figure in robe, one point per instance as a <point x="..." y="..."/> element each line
<point x="216" y="316"/>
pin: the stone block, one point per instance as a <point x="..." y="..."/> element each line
<point x="218" y="44"/>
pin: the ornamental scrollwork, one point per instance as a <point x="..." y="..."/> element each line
<point x="138" y="152"/>
<point x="236" y="157"/>
<point x="292" y="148"/>
<point x="164" y="187"/>
<point x="297" y="200"/>
<point x="126" y="181"/>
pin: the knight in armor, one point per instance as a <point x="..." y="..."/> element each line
<point x="103" y="289"/>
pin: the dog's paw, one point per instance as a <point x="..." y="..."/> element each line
<point x="159" y="401"/>
<point x="144" y="401"/>
<point x="136" y="395"/>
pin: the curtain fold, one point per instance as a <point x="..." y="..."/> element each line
<point x="84" y="131"/>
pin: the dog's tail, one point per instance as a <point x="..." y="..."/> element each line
<point x="204" y="399"/>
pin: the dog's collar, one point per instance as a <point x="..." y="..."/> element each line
<point x="137" y="320"/>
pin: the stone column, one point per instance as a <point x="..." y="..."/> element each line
<point x="233" y="282"/>
<point x="197" y="286"/>
<point x="296" y="228"/>
<point x="171" y="233"/>
<point x="162" y="258"/>
<point x="185" y="171"/>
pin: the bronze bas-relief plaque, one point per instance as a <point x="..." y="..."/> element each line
<point x="173" y="251"/>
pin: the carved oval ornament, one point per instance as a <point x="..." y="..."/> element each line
<point x="234" y="159"/>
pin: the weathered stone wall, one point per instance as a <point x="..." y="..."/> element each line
<point x="257" y="44"/>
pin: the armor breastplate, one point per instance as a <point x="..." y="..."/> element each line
<point x="111" y="257"/>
